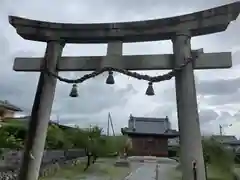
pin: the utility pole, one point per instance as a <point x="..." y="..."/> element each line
<point x="110" y="119"/>
<point x="220" y="129"/>
<point x="108" y="126"/>
<point x="110" y="122"/>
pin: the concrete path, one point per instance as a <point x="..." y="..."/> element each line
<point x="147" y="170"/>
<point x="166" y="169"/>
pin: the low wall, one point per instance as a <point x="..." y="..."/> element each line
<point x="45" y="171"/>
<point x="52" y="161"/>
<point x="12" y="158"/>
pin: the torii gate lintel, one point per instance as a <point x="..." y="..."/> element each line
<point x="220" y="60"/>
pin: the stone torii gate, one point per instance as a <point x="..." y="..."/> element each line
<point x="179" y="29"/>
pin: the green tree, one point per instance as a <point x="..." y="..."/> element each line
<point x="215" y="153"/>
<point x="56" y="138"/>
<point x="8" y="140"/>
<point x="78" y="137"/>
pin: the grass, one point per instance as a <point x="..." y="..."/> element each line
<point x="213" y="173"/>
<point x="237" y="170"/>
<point x="67" y="173"/>
<point x="105" y="170"/>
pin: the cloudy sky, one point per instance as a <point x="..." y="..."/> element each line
<point x="218" y="90"/>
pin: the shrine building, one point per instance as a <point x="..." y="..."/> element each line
<point x="149" y="135"/>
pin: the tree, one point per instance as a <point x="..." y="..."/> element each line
<point x="8" y="140"/>
<point x="57" y="138"/>
<point x="216" y="154"/>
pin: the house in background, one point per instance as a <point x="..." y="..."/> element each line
<point x="7" y="110"/>
<point x="149" y="135"/>
<point x="230" y="142"/>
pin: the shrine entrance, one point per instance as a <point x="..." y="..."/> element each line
<point x="182" y="62"/>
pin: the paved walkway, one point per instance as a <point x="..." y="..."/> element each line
<point x="144" y="172"/>
<point x="166" y="169"/>
<point x="147" y="171"/>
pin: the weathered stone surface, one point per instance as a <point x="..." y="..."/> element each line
<point x="46" y="169"/>
<point x="12" y="158"/>
<point x="132" y="62"/>
<point x="198" y="23"/>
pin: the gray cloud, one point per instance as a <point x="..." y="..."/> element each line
<point x="95" y="98"/>
<point x="224" y="116"/>
<point x="219" y="87"/>
<point x="207" y="115"/>
<point x="236" y="59"/>
<point x="145" y="5"/>
<point x="225" y="99"/>
<point x="224" y="90"/>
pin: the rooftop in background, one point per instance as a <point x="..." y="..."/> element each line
<point x="149" y="126"/>
<point x="5" y="104"/>
<point x="225" y="139"/>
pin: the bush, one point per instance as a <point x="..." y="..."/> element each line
<point x="217" y="155"/>
<point x="58" y="138"/>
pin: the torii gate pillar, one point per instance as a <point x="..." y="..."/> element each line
<point x="40" y="115"/>
<point x="188" y="119"/>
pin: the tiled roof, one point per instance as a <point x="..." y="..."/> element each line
<point x="224" y="138"/>
<point x="149" y="125"/>
<point x="228" y="140"/>
<point x="233" y="143"/>
<point x="7" y="105"/>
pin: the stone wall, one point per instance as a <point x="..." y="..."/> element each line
<point x="46" y="170"/>
<point x="52" y="161"/>
<point x="12" y="158"/>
